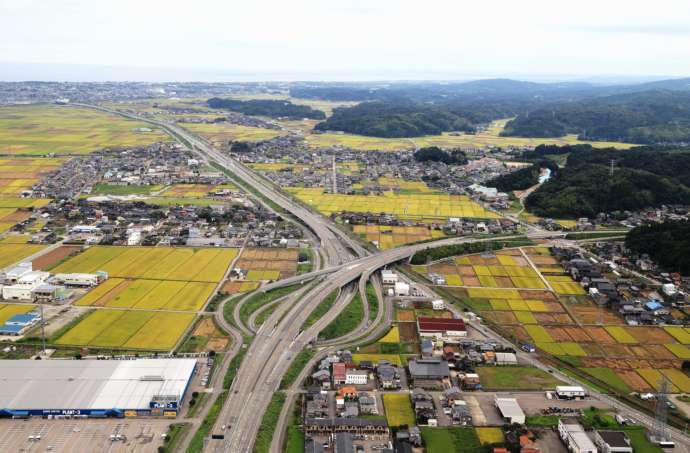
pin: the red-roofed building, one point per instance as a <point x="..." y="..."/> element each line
<point x="339" y="373"/>
<point x="441" y="327"/>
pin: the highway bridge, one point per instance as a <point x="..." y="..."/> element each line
<point x="281" y="337"/>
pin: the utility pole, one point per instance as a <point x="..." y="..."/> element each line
<point x="613" y="163"/>
<point x="43" y="331"/>
<point x="659" y="431"/>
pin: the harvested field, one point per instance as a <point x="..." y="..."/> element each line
<point x="593" y="349"/>
<point x="53" y="257"/>
<point x="634" y="381"/>
<point x="408" y="331"/>
<point x="577" y="334"/>
<point x="659" y="351"/>
<point x="545" y="296"/>
<point x="647" y="335"/>
<point x="600" y="335"/>
<point x="405" y="315"/>
<point x="503" y="317"/>
<point x="558" y="334"/>
<point x="592" y="315"/>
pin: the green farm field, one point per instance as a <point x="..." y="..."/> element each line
<point x="43" y="129"/>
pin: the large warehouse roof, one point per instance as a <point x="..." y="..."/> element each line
<point x="91" y="384"/>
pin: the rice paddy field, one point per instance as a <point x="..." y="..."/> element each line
<point x="223" y="132"/>
<point x="11" y="254"/>
<point x="153" y="263"/>
<point x="527" y="295"/>
<point x="386" y="237"/>
<point x="398" y="409"/>
<point x="174" y="279"/>
<point x="15" y="210"/>
<point x="404" y="206"/>
<point x="21" y="173"/>
<point x="263" y="264"/>
<point x="128" y="330"/>
<point x="175" y="282"/>
<point x="41" y="129"/>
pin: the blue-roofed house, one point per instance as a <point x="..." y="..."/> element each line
<point x="656" y="308"/>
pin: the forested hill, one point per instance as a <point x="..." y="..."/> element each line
<point x="658" y="116"/>
<point x="267" y="107"/>
<point x="667" y="243"/>
<point x="412" y="119"/>
<point x="523" y="178"/>
<point x="643" y="177"/>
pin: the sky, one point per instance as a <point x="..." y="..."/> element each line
<point x="214" y="40"/>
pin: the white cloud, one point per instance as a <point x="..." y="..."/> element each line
<point x="389" y="38"/>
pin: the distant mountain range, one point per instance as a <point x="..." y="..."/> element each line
<point x="650" y="112"/>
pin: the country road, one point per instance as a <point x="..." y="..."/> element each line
<point x="282" y="335"/>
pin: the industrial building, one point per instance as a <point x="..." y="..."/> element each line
<point x="574" y="436"/>
<point x="20" y="323"/>
<point x="441" y="328"/>
<point x="510" y="410"/>
<point x="94" y="388"/>
<point x="570" y="392"/>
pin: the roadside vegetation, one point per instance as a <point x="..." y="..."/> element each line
<point x="268" y="423"/>
<point x="260" y="299"/>
<point x="176" y="432"/>
<point x="346" y="321"/>
<point x="296" y="367"/>
<point x="321" y="309"/>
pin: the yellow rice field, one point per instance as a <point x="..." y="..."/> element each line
<point x="198" y="265"/>
<point x="404" y="206"/>
<point x="14" y="253"/>
<point x="128" y="330"/>
<point x="42" y="129"/>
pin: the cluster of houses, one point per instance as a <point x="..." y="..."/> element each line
<point x="674" y="287"/>
<point x="313" y="168"/>
<point x="22" y="283"/>
<point x="338" y="370"/>
<point x="635" y="304"/>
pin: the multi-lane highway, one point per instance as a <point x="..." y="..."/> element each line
<point x="282" y="335"/>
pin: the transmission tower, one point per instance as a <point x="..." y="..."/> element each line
<point x="613" y="163"/>
<point x="659" y="431"/>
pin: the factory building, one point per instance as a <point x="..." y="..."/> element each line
<point x="94" y="388"/>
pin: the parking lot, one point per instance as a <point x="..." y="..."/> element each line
<point x="136" y="435"/>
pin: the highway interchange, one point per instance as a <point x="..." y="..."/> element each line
<point x="281" y="335"/>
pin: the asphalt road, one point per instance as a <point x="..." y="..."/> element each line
<point x="281" y="334"/>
